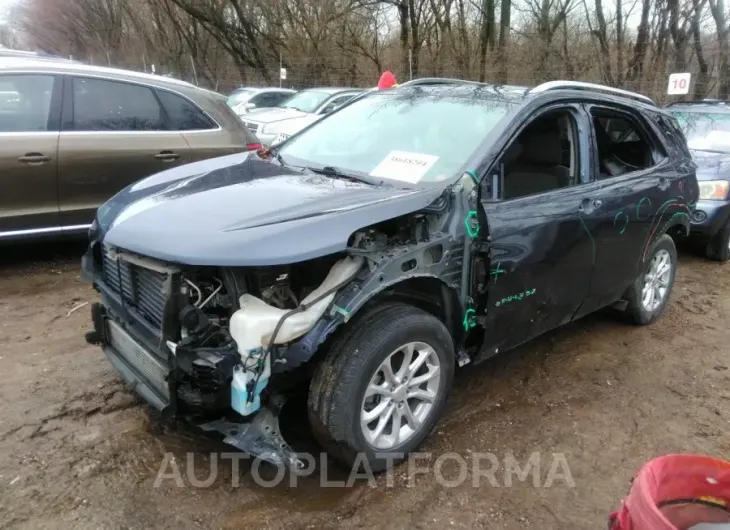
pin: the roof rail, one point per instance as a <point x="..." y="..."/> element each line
<point x="699" y="102"/>
<point x="437" y="81"/>
<point x="578" y="85"/>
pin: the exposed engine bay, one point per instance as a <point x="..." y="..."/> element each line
<point x="221" y="338"/>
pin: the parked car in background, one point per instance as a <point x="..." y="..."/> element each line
<point x="266" y="124"/>
<point x="73" y="135"/>
<point x="245" y="100"/>
<point x="410" y="232"/>
<point x="706" y="125"/>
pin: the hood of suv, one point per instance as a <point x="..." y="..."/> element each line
<point x="241" y="210"/>
<point x="711" y="165"/>
<point x="274" y="114"/>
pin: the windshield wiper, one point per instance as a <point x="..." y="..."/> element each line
<point x="332" y="171"/>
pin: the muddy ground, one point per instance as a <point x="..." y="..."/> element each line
<point x="79" y="450"/>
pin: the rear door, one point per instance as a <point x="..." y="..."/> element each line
<point x="29" y="120"/>
<point x="638" y="192"/>
<point x="113" y="133"/>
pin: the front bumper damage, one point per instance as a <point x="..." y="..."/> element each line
<point x="153" y="379"/>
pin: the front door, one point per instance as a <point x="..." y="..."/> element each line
<point x="113" y="134"/>
<point x="542" y="251"/>
<point x="29" y="112"/>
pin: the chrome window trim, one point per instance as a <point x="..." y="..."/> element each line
<point x="151" y="87"/>
<point x="47" y="230"/>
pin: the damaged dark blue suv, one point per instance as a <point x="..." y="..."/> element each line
<point x="412" y="231"/>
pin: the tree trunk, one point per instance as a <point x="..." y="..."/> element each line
<point x="504" y="30"/>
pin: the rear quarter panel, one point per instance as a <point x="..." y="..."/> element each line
<point x="231" y="137"/>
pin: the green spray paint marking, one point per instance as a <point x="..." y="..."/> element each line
<point x="469" y="319"/>
<point x="678" y="214"/>
<point x="638" y="209"/>
<point x="515" y="297"/>
<point x="473" y="175"/>
<point x="496" y="272"/>
<point x="473" y="231"/>
<point x="626" y="223"/>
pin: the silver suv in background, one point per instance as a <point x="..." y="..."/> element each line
<point x="297" y="112"/>
<point x="244" y="100"/>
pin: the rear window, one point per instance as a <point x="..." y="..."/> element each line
<point x="183" y="115"/>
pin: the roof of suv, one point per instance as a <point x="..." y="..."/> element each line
<point x="34" y="64"/>
<point x="518" y="93"/>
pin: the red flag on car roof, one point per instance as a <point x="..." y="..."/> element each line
<point x="387" y="80"/>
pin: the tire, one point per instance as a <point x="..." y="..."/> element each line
<point x="639" y="313"/>
<point x="718" y="249"/>
<point x="336" y="400"/>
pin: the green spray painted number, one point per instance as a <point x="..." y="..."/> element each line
<point x="515" y="297"/>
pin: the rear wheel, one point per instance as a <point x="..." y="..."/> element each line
<point x="718" y="249"/>
<point x="382" y="386"/>
<point x="649" y="295"/>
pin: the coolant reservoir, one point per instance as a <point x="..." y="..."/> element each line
<point x="253" y="325"/>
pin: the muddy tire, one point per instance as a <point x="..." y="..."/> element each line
<point x="649" y="294"/>
<point x="718" y="249"/>
<point x="370" y="356"/>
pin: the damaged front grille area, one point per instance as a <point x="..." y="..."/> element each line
<point x="140" y="287"/>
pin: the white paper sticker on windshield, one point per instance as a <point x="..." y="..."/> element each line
<point x="405" y="166"/>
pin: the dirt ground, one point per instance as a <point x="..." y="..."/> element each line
<point x="79" y="450"/>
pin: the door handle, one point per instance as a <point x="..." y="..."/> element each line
<point x="588" y="205"/>
<point x="167" y="156"/>
<point x="34" y="159"/>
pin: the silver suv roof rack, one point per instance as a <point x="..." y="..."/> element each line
<point x="577" y="85"/>
<point x="438" y="81"/>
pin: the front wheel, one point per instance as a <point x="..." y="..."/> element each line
<point x="382" y="386"/>
<point x="649" y="294"/>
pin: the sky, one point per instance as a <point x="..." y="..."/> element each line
<point x="4" y="8"/>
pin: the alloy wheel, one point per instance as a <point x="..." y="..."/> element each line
<point x="400" y="395"/>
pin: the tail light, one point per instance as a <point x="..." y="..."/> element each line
<point x="253" y="147"/>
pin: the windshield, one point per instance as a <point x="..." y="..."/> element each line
<point x="404" y="138"/>
<point x="705" y="131"/>
<point x="306" y="101"/>
<point x="239" y="97"/>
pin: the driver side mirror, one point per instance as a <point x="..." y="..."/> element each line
<point x="249" y="106"/>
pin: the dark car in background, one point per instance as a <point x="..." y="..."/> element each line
<point x="72" y="135"/>
<point x="706" y="125"/>
<point x="410" y="231"/>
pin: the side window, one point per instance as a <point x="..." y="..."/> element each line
<point x="101" y="105"/>
<point x="621" y="144"/>
<point x="281" y="97"/>
<point x="266" y="99"/>
<point x="335" y="103"/>
<point x="183" y="115"/>
<point x="543" y="157"/>
<point x="669" y="125"/>
<point x="25" y="102"/>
